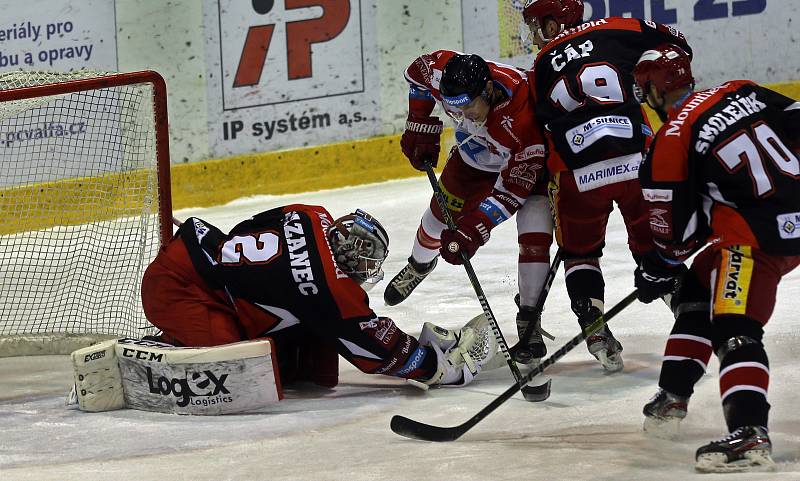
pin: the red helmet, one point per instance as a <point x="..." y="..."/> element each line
<point x="666" y="67"/>
<point x="568" y="13"/>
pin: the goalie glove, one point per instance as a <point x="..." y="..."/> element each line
<point x="472" y="231"/>
<point x="460" y="355"/>
<point x="420" y="141"/>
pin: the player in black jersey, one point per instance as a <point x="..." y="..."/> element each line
<point x="598" y="132"/>
<point x="295" y="274"/>
<point x="724" y="170"/>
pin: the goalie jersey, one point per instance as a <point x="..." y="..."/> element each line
<point x="279" y="261"/>
<point x="725" y="168"/>
<point x="583" y="89"/>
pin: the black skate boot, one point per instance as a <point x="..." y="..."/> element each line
<point x="602" y="344"/>
<point x="534" y="349"/>
<point x="663" y="413"/>
<point x="401" y="285"/>
<point x="748" y="448"/>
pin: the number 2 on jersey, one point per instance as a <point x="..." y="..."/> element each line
<point x="256" y="248"/>
<point x="742" y="149"/>
<point x="598" y="82"/>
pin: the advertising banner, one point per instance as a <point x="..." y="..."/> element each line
<point x="290" y="73"/>
<point x="58" y="35"/>
<point x="732" y="39"/>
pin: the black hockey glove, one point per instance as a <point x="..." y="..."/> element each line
<point x="655" y="278"/>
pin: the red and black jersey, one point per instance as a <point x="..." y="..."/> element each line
<point x="725" y="168"/>
<point x="583" y="89"/>
<point x="281" y="262"/>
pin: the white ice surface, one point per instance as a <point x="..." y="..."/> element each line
<point x="590" y="428"/>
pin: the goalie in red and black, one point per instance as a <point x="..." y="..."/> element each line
<point x="495" y="171"/>
<point x="298" y="276"/>
<point x="723" y="171"/>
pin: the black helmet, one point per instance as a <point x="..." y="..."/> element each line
<point x="463" y="79"/>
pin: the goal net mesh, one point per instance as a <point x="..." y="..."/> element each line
<point x="79" y="205"/>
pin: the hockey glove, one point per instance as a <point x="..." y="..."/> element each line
<point x="420" y="141"/>
<point x="655" y="278"/>
<point x="472" y="231"/>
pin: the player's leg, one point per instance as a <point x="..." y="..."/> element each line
<point x="177" y="300"/>
<point x="687" y="352"/>
<point x="534" y="234"/>
<point x="463" y="187"/>
<point x="580" y="226"/>
<point x="743" y="299"/>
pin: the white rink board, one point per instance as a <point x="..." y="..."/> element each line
<point x="590" y="428"/>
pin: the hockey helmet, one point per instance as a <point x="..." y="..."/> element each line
<point x="464" y="79"/>
<point x="567" y="13"/>
<point x="360" y="244"/>
<point x="666" y="67"/>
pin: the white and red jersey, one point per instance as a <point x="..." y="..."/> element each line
<point x="510" y="142"/>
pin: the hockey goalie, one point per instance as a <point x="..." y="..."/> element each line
<point x="275" y="301"/>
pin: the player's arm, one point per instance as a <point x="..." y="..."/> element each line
<point x="654" y="34"/>
<point x="517" y="180"/>
<point x="420" y="140"/>
<point x="677" y="221"/>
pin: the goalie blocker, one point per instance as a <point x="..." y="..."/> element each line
<point x="151" y="376"/>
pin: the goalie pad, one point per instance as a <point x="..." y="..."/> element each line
<point x="151" y="376"/>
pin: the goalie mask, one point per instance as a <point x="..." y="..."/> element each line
<point x="360" y="245"/>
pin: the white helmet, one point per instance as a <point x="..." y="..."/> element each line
<point x="360" y="244"/>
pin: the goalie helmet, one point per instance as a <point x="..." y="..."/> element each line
<point x="360" y="244"/>
<point x="567" y="13"/>
<point x="666" y="67"/>
<point x="464" y="79"/>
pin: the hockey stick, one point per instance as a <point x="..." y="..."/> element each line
<point x="530" y="393"/>
<point x="539" y="307"/>
<point x="427" y="432"/>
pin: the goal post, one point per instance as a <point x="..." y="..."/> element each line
<point x="85" y="205"/>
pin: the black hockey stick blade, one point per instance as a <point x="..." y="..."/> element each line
<point x="427" y="432"/>
<point x="538" y="393"/>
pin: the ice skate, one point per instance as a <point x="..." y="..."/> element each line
<point x="602" y="344"/>
<point x="748" y="448"/>
<point x="401" y="285"/>
<point x="532" y="352"/>
<point x="663" y="414"/>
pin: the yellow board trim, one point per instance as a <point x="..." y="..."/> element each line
<point x="105" y="197"/>
<point x="733" y="283"/>
<point x="215" y="182"/>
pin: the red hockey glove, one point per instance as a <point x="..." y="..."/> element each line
<point x="655" y="278"/>
<point x="420" y="141"/>
<point x="472" y="231"/>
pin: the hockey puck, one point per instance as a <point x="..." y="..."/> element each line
<point x="453" y="247"/>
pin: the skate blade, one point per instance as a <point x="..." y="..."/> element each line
<point x="757" y="460"/>
<point x="612" y="363"/>
<point x="662" y="428"/>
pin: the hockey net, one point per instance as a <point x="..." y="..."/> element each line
<point x="511" y="29"/>
<point x="84" y="205"/>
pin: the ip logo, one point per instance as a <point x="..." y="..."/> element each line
<point x="283" y="51"/>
